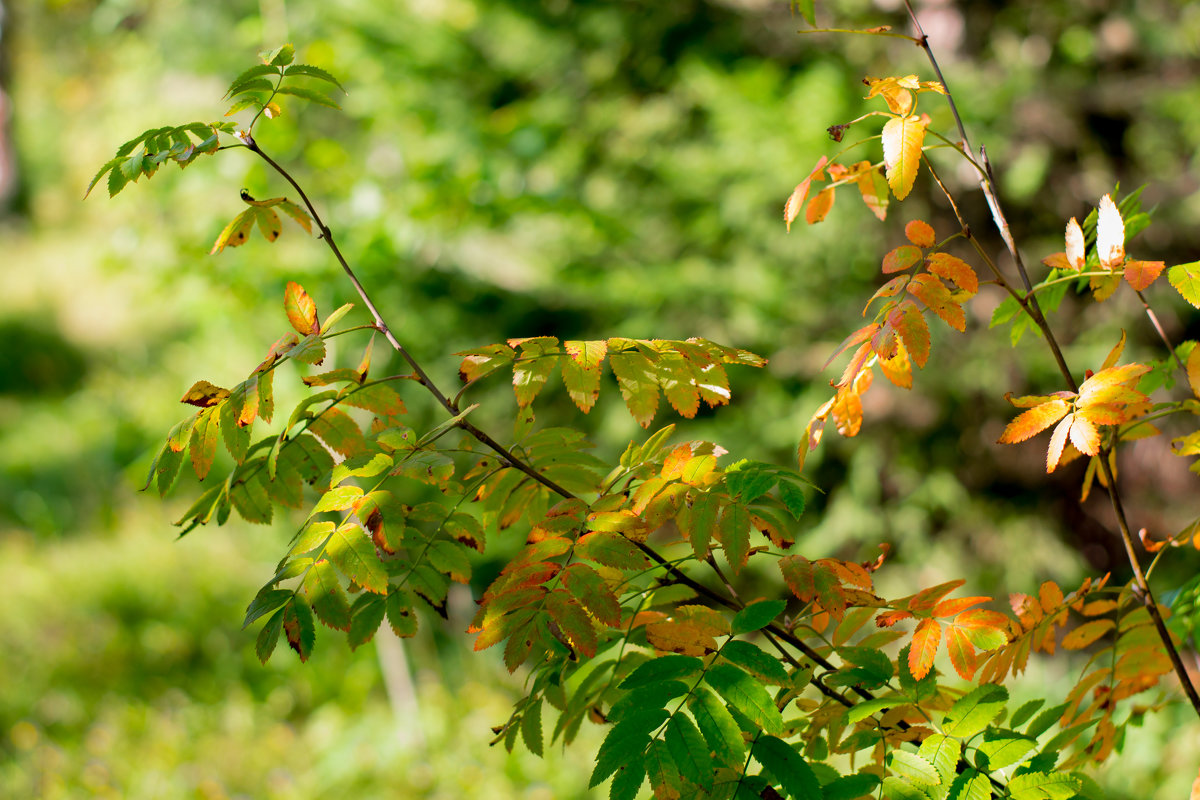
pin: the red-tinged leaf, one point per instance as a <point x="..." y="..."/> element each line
<point x="1058" y="440"/>
<point x="909" y="323"/>
<point x="1057" y="261"/>
<point x="920" y="233"/>
<point x="581" y="371"/>
<point x="874" y="189"/>
<point x="339" y="431"/>
<point x="889" y="289"/>
<point x="926" y="599"/>
<point x="820" y="206"/>
<point x="592" y="592"/>
<point x="952" y="608"/>
<point x="1084" y="436"/>
<point x="962" y="652"/>
<point x="611" y="550"/>
<point x="898" y="368"/>
<point x="203" y="442"/>
<point x="904" y="257"/>
<point x="1110" y="234"/>
<point x="902" y="140"/>
<point x="1087" y="633"/>
<point x="573" y="623"/>
<point x="791" y="209"/>
<point x="1032" y="422"/>
<point x="1076" y="254"/>
<point x="482" y="361"/>
<point x="858" y="337"/>
<point x="954" y="270"/>
<point x="204" y="394"/>
<point x="889" y="618"/>
<point x="1186" y="280"/>
<point x="1089" y="390"/>
<point x="930" y="290"/>
<point x="1027" y="609"/>
<point x="301" y="310"/>
<point x="924" y="647"/>
<point x="1140" y="274"/>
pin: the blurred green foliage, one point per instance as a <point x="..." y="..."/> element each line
<point x="515" y="168"/>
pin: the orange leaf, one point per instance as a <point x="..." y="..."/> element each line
<point x="896" y="91"/>
<point x="901" y="258"/>
<point x="791" y="209"/>
<point x="1050" y="596"/>
<point x="1113" y="376"/>
<point x="1114" y="355"/>
<point x="909" y="322"/>
<point x="889" y="618"/>
<point x="1140" y="274"/>
<point x="1076" y="254"/>
<point x="1032" y="422"/>
<point x="301" y="310"/>
<point x="955" y="270"/>
<point x="819" y="206"/>
<point x="1087" y="633"/>
<point x="1193" y="370"/>
<point x="952" y="608"/>
<point x="1058" y="440"/>
<point x="920" y="233"/>
<point x="962" y="652"/>
<point x="847" y="412"/>
<point x="898" y="369"/>
<point x="924" y="647"/>
<point x="889" y="289"/>
<point x="1110" y="234"/>
<point x="874" y="189"/>
<point x="1104" y="286"/>
<point x="858" y="337"/>
<point x="926" y="599"/>
<point x="902" y="139"/>
<point x="933" y="293"/>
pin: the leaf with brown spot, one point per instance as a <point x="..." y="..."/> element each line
<point x="204" y="394"/>
<point x="301" y="309"/>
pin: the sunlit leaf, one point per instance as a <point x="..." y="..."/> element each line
<point x="1110" y="234"/>
<point x="902" y="140"/>
<point x="1032" y="422"/>
<point x="301" y="309"/>
<point x="1076" y="254"/>
<point x="1140" y="274"/>
<point x="920" y="233"/>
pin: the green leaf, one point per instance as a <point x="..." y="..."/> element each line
<point x="590" y="589"/>
<point x="1045" y="720"/>
<point x="850" y="787"/>
<point x="1040" y="786"/>
<point x="628" y="779"/>
<point x="1186" y="280"/>
<point x="1026" y="712"/>
<point x="366" y="615"/>
<point x="756" y="661"/>
<point x="689" y="751"/>
<point x="309" y="71"/>
<point x="792" y="497"/>
<point x="628" y="739"/>
<point x="655" y="695"/>
<point x="747" y="695"/>
<point x="250" y="495"/>
<point x="338" y="429"/>
<point x="788" y="767"/>
<point x="251" y="85"/>
<point x="279" y="57"/>
<point x="309" y="95"/>
<point x="257" y="71"/>
<point x="1000" y="751"/>
<point x="805" y="7"/>
<point x="268" y="637"/>
<point x="337" y="499"/>
<point x="974" y="711"/>
<point x="660" y="768"/>
<point x="866" y="708"/>
<point x="611" y="550"/>
<point x="400" y="613"/>
<point x="971" y="785"/>
<point x="718" y="727"/>
<point x="943" y="752"/>
<point x="265" y="602"/>
<point x="914" y="767"/>
<point x="733" y="533"/>
<point x="896" y="789"/>
<point x="326" y="596"/>
<point x="353" y="553"/>
<point x="638" y="381"/>
<point x="310" y="349"/>
<point x="755" y="616"/>
<point x="299" y="628"/>
<point x="749" y="480"/>
<point x="365" y="465"/>
<point x="663" y="668"/>
<point x="531" y="727"/>
<point x="699" y="522"/>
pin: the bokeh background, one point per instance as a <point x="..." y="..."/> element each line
<point x="514" y="168"/>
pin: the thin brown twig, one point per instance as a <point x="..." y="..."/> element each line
<point x="1030" y="304"/>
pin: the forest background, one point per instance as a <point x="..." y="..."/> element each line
<point x="514" y="168"/>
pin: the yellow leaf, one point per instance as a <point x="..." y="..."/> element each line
<point x="1058" y="440"/>
<point x="902" y="139"/>
<point x="1084" y="436"/>
<point x="1114" y="355"/>
<point x="1110" y="234"/>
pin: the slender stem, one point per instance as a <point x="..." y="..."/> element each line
<point x="1162" y="334"/>
<point x="1029" y="303"/>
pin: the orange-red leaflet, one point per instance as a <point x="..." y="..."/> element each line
<point x="791" y="209"/>
<point x="1032" y="422"/>
<point x="924" y="647"/>
<point x="920" y="233"/>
